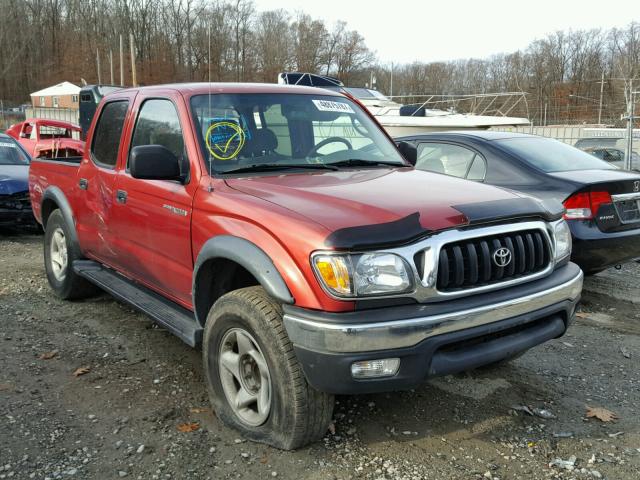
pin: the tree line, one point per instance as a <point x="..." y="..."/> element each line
<point x="47" y="41"/>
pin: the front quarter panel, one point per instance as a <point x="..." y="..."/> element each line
<point x="284" y="236"/>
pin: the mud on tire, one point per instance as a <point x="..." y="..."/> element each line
<point x="245" y="327"/>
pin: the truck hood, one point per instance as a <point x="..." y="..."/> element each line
<point x="377" y="206"/>
<point x="14" y="179"/>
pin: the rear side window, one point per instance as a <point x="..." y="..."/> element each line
<point x="158" y="124"/>
<point x="106" y="138"/>
<point x="453" y="160"/>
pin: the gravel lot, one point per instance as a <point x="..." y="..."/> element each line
<point x="123" y="417"/>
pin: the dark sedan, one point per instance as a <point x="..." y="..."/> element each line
<point x="602" y="202"/>
<point x="15" y="206"/>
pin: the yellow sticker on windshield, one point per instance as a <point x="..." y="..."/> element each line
<point x="224" y="140"/>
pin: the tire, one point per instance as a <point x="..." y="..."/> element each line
<point x="59" y="255"/>
<point x="291" y="414"/>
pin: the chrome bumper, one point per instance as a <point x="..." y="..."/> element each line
<point x="389" y="335"/>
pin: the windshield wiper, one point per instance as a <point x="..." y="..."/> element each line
<point x="358" y="162"/>
<point x="267" y="167"/>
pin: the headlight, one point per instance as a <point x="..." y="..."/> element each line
<point x="362" y="275"/>
<point x="562" y="236"/>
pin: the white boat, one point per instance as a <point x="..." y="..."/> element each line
<point x="400" y="120"/>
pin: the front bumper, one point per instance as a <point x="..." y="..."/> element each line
<point x="432" y="339"/>
<point x="16" y="218"/>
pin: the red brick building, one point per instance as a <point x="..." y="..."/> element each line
<point x="62" y="95"/>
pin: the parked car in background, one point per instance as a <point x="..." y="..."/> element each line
<point x="614" y="156"/>
<point x="48" y="138"/>
<point x="280" y="228"/>
<point x="15" y="206"/>
<point x="602" y="202"/>
<point x="599" y="142"/>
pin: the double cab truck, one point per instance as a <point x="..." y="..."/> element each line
<point x="279" y="229"/>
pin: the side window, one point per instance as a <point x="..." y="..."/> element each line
<point x="445" y="158"/>
<point x="616" y="155"/>
<point x="478" y="170"/>
<point x="158" y="124"/>
<point x="106" y="138"/>
<point x="33" y="132"/>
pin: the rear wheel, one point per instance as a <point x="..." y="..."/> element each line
<point x="59" y="254"/>
<point x="255" y="382"/>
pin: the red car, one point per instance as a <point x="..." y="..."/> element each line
<point x="280" y="229"/>
<point x="46" y="138"/>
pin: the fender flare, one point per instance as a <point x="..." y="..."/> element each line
<point x="58" y="197"/>
<point x="249" y="256"/>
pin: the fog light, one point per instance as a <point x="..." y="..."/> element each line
<point x="385" y="367"/>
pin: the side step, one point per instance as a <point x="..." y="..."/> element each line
<point x="179" y="321"/>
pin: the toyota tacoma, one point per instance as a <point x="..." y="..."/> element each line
<point x="279" y="229"/>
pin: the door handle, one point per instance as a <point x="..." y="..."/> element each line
<point x="121" y="196"/>
<point x="83" y="183"/>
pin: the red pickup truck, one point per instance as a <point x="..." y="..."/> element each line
<point x="279" y="228"/>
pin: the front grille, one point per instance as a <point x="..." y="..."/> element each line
<point x="473" y="263"/>
<point x="18" y="201"/>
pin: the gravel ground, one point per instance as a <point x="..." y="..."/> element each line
<point x="122" y="418"/>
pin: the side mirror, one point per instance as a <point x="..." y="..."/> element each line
<point x="409" y="152"/>
<point x="154" y="162"/>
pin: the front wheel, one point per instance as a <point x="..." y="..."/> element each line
<point x="255" y="382"/>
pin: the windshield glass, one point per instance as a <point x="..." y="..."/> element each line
<point x="11" y="154"/>
<point x="239" y="131"/>
<point x="551" y="155"/>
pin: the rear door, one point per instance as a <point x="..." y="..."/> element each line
<point x="152" y="218"/>
<point x="95" y="188"/>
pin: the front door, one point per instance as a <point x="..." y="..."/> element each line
<point x="153" y="217"/>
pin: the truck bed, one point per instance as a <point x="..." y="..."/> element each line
<point x="44" y="172"/>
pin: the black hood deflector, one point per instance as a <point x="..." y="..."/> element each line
<point x="498" y="210"/>
<point x="379" y="234"/>
<point x="408" y="228"/>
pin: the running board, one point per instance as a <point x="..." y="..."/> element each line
<point x="179" y="321"/>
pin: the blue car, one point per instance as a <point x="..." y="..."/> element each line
<point x="15" y="206"/>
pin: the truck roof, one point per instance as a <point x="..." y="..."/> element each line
<point x="216" y="87"/>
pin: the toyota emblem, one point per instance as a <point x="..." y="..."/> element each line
<point x="502" y="257"/>
<point x="636" y="186"/>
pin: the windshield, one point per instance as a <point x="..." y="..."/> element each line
<point x="11" y="153"/>
<point x="241" y="131"/>
<point x="551" y="155"/>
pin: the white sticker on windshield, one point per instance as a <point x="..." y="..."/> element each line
<point x="10" y="145"/>
<point x="329" y="106"/>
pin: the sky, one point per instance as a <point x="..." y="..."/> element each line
<point x="404" y="31"/>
